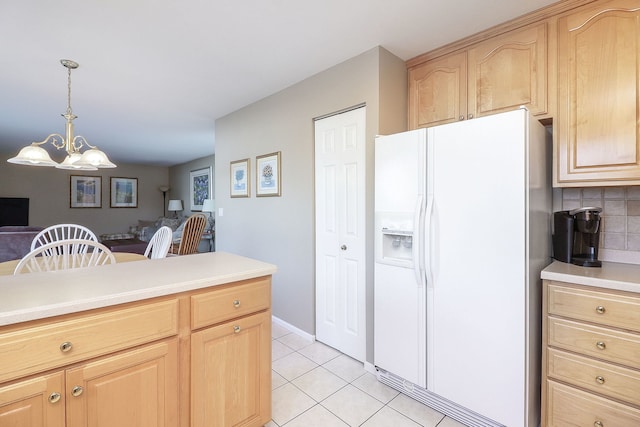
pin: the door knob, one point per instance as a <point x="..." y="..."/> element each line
<point x="343" y="247"/>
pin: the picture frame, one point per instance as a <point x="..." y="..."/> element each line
<point x="85" y="191"/>
<point x="124" y="192"/>
<point x="199" y="187"/>
<point x="268" y="175"/>
<point x="239" y="179"/>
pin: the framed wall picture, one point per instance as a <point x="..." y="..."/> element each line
<point x="85" y="192"/>
<point x="239" y="179"/>
<point x="199" y="187"/>
<point x="124" y="192"/>
<point x="268" y="175"/>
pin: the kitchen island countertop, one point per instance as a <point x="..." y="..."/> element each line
<point x="612" y="275"/>
<point x="40" y="295"/>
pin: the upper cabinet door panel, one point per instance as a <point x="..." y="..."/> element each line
<point x="599" y="93"/>
<point x="509" y="71"/>
<point x="438" y="91"/>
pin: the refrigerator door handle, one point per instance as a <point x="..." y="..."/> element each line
<point x="418" y="258"/>
<point x="428" y="237"/>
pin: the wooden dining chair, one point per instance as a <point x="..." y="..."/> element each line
<point x="58" y="232"/>
<point x="191" y="235"/>
<point x="65" y="255"/>
<point x="160" y="243"/>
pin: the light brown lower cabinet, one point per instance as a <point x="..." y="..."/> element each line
<point x="591" y="356"/>
<point x="178" y="362"/>
<point x="218" y="354"/>
<point x="35" y="402"/>
<point x="136" y="388"/>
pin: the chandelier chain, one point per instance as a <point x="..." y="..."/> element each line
<point x="69" y="111"/>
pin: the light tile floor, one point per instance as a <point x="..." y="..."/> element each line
<point x="316" y="385"/>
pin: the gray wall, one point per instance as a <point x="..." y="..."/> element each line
<point x="48" y="192"/>
<point x="281" y="230"/>
<point x="179" y="177"/>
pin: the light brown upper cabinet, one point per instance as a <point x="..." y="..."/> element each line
<point x="508" y="71"/>
<point x="438" y="91"/>
<point x="495" y="75"/>
<point x="598" y="95"/>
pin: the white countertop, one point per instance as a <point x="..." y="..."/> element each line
<point x="39" y="295"/>
<point x="612" y="275"/>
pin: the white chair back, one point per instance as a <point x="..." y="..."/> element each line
<point x="64" y="255"/>
<point x="58" y="232"/>
<point x="159" y="244"/>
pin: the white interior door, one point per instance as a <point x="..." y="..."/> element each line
<point x="340" y="232"/>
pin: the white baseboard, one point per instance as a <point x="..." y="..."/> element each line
<point x="370" y="367"/>
<point x="293" y="329"/>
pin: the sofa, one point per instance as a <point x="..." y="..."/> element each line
<point x="15" y="241"/>
<point x="147" y="228"/>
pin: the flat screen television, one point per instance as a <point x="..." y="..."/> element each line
<point x="14" y="211"/>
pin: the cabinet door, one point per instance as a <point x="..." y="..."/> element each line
<point x="598" y="94"/>
<point x="231" y="373"/>
<point x="508" y="71"/>
<point x="135" y="388"/>
<point x="37" y="402"/>
<point x="438" y="91"/>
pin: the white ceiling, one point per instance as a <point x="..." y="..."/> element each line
<point x="155" y="74"/>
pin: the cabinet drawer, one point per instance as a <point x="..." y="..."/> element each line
<point x="604" y="378"/>
<point x="38" y="348"/>
<point x="229" y="302"/>
<point x="572" y="407"/>
<point x="601" y="307"/>
<point x="602" y="343"/>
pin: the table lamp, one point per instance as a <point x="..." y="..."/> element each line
<point x="174" y="206"/>
<point x="208" y="205"/>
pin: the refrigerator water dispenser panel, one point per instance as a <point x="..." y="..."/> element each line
<point x="397" y="244"/>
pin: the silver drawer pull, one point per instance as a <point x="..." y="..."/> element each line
<point x="236" y="329"/>
<point x="598" y="424"/>
<point x="54" y="397"/>
<point x="65" y="346"/>
<point x="601" y="345"/>
<point x="77" y="391"/>
<point x="600" y="309"/>
<point x="236" y="303"/>
<point x="600" y="379"/>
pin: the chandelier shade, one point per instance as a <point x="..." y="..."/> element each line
<point x="91" y="159"/>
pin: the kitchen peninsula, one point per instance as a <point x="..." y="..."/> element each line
<point x="181" y="341"/>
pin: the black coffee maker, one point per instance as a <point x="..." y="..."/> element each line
<point x="576" y="236"/>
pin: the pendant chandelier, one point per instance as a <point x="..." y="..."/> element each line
<point x="90" y="159"/>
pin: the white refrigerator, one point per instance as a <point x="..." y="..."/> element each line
<point x="462" y="217"/>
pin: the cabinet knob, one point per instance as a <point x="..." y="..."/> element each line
<point x="598" y="424"/>
<point x="343" y="247"/>
<point x="236" y="303"/>
<point x="601" y="345"/>
<point x="77" y="391"/>
<point x="470" y="116"/>
<point x="461" y="118"/>
<point x="65" y="346"/>
<point x="54" y="397"/>
<point x="600" y="379"/>
<point x="236" y="329"/>
<point x="600" y="309"/>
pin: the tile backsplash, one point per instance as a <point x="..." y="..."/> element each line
<point x="620" y="232"/>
